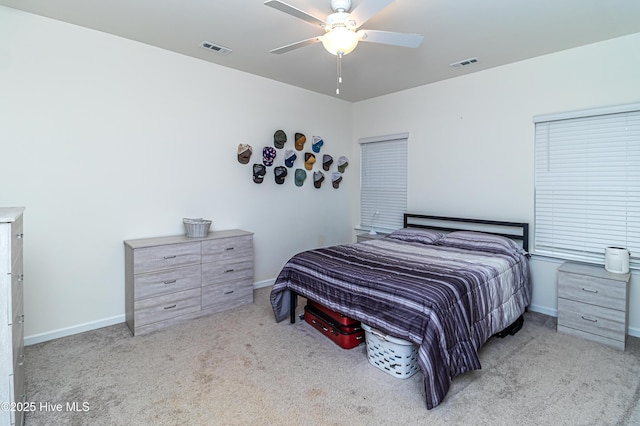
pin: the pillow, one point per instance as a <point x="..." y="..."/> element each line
<point x="416" y="235"/>
<point x="472" y="240"/>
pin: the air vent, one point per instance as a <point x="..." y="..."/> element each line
<point x="215" y="47"/>
<point x="464" y="63"/>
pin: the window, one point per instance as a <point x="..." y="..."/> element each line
<point x="587" y="183"/>
<point x="383" y="181"/>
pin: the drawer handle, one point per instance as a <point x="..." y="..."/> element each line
<point x="589" y="319"/>
<point x="170" y="307"/>
<point x="588" y="290"/>
<point x="20" y="236"/>
<point x="169" y="282"/>
<point x="170" y="257"/>
<point x="228" y="292"/>
<point x="228" y="270"/>
<point x="229" y="248"/>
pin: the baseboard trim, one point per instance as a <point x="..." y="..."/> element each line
<point x="265" y="283"/>
<point x="543" y="310"/>
<point x="94" y="325"/>
<point x="63" y="332"/>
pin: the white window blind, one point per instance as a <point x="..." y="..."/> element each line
<point x="587" y="183"/>
<point x="383" y="181"/>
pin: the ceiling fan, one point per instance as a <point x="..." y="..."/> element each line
<point x="342" y="32"/>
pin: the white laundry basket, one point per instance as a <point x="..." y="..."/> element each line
<point x="394" y="356"/>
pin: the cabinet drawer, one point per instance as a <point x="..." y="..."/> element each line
<point x="228" y="295"/>
<point x="17" y="278"/>
<point x="216" y="272"/>
<point x="168" y="281"/>
<point x="17" y="331"/>
<point x="168" y="306"/>
<point x="605" y="322"/>
<point x="227" y="248"/>
<point x="16" y="240"/>
<point x="164" y="257"/>
<point x="596" y="291"/>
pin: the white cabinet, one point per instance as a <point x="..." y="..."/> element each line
<point x="174" y="279"/>
<point x="593" y="303"/>
<point x="12" y="387"/>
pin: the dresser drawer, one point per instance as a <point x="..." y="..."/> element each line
<point x="228" y="270"/>
<point x="595" y="291"/>
<point x="168" y="281"/>
<point x="604" y="322"/>
<point x="16" y="240"/>
<point x="168" y="306"/>
<point x="17" y="331"/>
<point x="17" y="293"/>
<point x="164" y="257"/>
<point x="227" y="248"/>
<point x="227" y="295"/>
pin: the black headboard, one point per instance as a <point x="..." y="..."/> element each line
<point x="513" y="230"/>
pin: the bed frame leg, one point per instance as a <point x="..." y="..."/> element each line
<point x="292" y="307"/>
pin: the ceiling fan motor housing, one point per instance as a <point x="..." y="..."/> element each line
<point x="339" y="19"/>
<point x="340" y="5"/>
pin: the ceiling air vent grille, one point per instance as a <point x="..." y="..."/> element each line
<point x="464" y="63"/>
<point x="215" y="47"/>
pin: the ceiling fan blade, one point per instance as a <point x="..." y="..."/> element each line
<point x="388" y="37"/>
<point x="294" y="11"/>
<point x="292" y="46"/>
<point x="367" y="9"/>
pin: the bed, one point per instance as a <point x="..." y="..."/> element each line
<point x="445" y="284"/>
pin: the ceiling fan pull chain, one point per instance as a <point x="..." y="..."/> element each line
<point x="339" y="56"/>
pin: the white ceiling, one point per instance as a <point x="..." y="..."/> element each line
<point x="497" y="32"/>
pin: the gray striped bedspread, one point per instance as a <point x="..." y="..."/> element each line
<point x="447" y="300"/>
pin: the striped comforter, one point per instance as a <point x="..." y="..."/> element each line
<point x="447" y="300"/>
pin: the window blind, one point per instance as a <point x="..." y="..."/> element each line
<point x="383" y="181"/>
<point x="587" y="184"/>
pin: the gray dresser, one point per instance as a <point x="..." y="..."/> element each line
<point x="593" y="303"/>
<point x="174" y="279"/>
<point x="12" y="387"/>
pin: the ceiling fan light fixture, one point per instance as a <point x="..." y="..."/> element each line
<point x="340" y="40"/>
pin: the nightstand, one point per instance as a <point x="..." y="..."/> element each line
<point x="593" y="303"/>
<point x="366" y="236"/>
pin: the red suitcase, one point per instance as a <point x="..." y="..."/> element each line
<point x="347" y="337"/>
<point x="333" y="315"/>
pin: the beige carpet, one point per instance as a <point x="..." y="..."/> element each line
<point x="243" y="368"/>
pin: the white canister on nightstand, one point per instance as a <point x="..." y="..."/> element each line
<point x="616" y="260"/>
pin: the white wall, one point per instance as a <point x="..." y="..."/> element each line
<point x="104" y="139"/>
<point x="471" y="137"/>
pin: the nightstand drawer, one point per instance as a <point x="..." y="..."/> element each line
<point x="595" y="291"/>
<point x="604" y="322"/>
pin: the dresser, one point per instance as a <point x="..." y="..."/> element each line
<point x="12" y="387"/>
<point x="173" y="279"/>
<point x="593" y="303"/>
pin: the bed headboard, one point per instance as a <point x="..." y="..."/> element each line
<point x="514" y="230"/>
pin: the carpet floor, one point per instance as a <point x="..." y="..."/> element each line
<point x="242" y="368"/>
